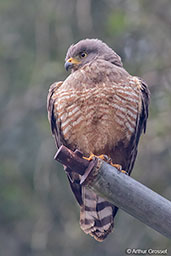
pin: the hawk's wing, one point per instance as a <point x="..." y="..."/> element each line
<point x="140" y="124"/>
<point x="73" y="178"/>
<point x="52" y="120"/>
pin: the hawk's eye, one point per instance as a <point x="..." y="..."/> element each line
<point x="83" y="54"/>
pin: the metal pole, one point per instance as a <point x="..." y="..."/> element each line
<point x="120" y="189"/>
<point x="134" y="198"/>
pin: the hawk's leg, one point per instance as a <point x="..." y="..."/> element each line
<point x="107" y="160"/>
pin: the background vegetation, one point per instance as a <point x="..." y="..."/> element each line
<point x="38" y="213"/>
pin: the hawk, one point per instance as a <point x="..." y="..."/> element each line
<point x="99" y="109"/>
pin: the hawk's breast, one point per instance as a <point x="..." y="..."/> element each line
<point x="95" y="118"/>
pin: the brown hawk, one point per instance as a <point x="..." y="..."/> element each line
<point x="99" y="109"/>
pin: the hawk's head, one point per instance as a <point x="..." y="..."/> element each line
<point x="88" y="50"/>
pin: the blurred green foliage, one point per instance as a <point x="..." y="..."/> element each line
<point x="38" y="213"/>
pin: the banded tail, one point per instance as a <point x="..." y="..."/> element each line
<point x="96" y="215"/>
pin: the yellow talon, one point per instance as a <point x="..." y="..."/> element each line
<point x="102" y="157"/>
<point x="90" y="157"/>
<point x="118" y="167"/>
<point x="124" y="172"/>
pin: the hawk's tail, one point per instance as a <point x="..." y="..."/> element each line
<point x="96" y="215"/>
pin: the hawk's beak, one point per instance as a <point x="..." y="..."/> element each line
<point x="70" y="63"/>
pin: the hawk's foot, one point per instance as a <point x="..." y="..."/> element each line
<point x="107" y="160"/>
<point x="118" y="167"/>
<point x="102" y="157"/>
